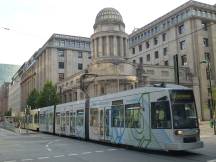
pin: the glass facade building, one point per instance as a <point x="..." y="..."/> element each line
<point x="6" y="72"/>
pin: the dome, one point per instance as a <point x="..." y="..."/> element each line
<point x="108" y="15"/>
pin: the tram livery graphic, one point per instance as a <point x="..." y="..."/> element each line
<point x="158" y="118"/>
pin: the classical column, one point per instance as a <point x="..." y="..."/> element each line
<point x="107" y="46"/>
<point x="125" y="46"/>
<point x="95" y="48"/>
<point x="115" y="50"/>
<point x="92" y="47"/>
<point x="121" y="47"/>
<point x="100" y="47"/>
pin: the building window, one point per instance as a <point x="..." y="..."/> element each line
<point x="155" y="41"/>
<point x="205" y="42"/>
<point x="80" y="66"/>
<point x="164" y="37"/>
<point x="209" y="91"/>
<point x="82" y="44"/>
<point x="182" y="45"/>
<point x="102" y="90"/>
<point x="61" y="65"/>
<point x="140" y="47"/>
<point x="165" y="51"/>
<point x="134" y="61"/>
<point x="89" y="55"/>
<point x="181" y="29"/>
<point x="80" y="55"/>
<point x="147" y="44"/>
<point x="183" y="60"/>
<point x="165" y="73"/>
<point x="204" y="26"/>
<point x="141" y="60"/>
<point x="133" y="50"/>
<point x="166" y="63"/>
<point x="61" y="76"/>
<point x="60" y="52"/>
<point x="61" y="43"/>
<point x="207" y="74"/>
<point x="72" y="43"/>
<point x="156" y="55"/>
<point x="207" y="56"/>
<point x="148" y="57"/>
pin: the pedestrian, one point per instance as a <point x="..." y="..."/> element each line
<point x="19" y="126"/>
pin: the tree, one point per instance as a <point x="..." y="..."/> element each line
<point x="8" y="113"/>
<point x="32" y="99"/>
<point x="214" y="99"/>
<point x="48" y="96"/>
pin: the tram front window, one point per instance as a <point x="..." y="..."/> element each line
<point x="160" y="115"/>
<point x="184" y="116"/>
<point x="184" y="109"/>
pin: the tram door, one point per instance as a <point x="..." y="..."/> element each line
<point x="107" y="123"/>
<point x="101" y="123"/>
<point x="145" y="100"/>
<point x="72" y="122"/>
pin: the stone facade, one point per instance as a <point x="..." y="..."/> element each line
<point x="189" y="32"/>
<point x="7" y="71"/>
<point x="14" y="96"/>
<point x="109" y="71"/>
<point x="61" y="56"/>
<point x="4" y="98"/>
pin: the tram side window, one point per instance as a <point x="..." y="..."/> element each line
<point x="36" y="118"/>
<point x="118" y="116"/>
<point x="58" y="118"/>
<point x="132" y="115"/>
<point x="67" y="118"/>
<point x="50" y="118"/>
<point x="94" y="118"/>
<point x="41" y="118"/>
<point x="160" y="115"/>
<point x="30" y="118"/>
<point x="80" y="118"/>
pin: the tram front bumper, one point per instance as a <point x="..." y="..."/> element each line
<point x="184" y="146"/>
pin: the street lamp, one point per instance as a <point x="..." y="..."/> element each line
<point x="5" y="28"/>
<point x="210" y="85"/>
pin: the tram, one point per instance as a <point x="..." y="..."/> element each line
<point x="156" y="118"/>
<point x="32" y="121"/>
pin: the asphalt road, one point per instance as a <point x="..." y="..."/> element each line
<point x="48" y="148"/>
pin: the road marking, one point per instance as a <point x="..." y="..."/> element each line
<point x="45" y="157"/>
<point x="205" y="136"/>
<point x="213" y="160"/>
<point x="58" y="156"/>
<point x="26" y="159"/>
<point x="99" y="151"/>
<point x="111" y="149"/>
<point x="73" y="154"/>
<point x="10" y="161"/>
<point x="49" y="149"/>
<point x="84" y="153"/>
<point x="47" y="146"/>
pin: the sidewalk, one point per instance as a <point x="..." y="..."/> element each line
<point x="24" y="131"/>
<point x="205" y="129"/>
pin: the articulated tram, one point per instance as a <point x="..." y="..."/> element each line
<point x="159" y="118"/>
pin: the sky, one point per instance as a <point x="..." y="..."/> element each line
<point x="25" y="25"/>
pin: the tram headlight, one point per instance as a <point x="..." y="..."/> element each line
<point x="179" y="132"/>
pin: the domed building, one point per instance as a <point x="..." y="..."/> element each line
<point x="109" y="71"/>
<point x="109" y="41"/>
<point x="109" y="49"/>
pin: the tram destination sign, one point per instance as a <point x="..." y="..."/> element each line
<point x="181" y="96"/>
